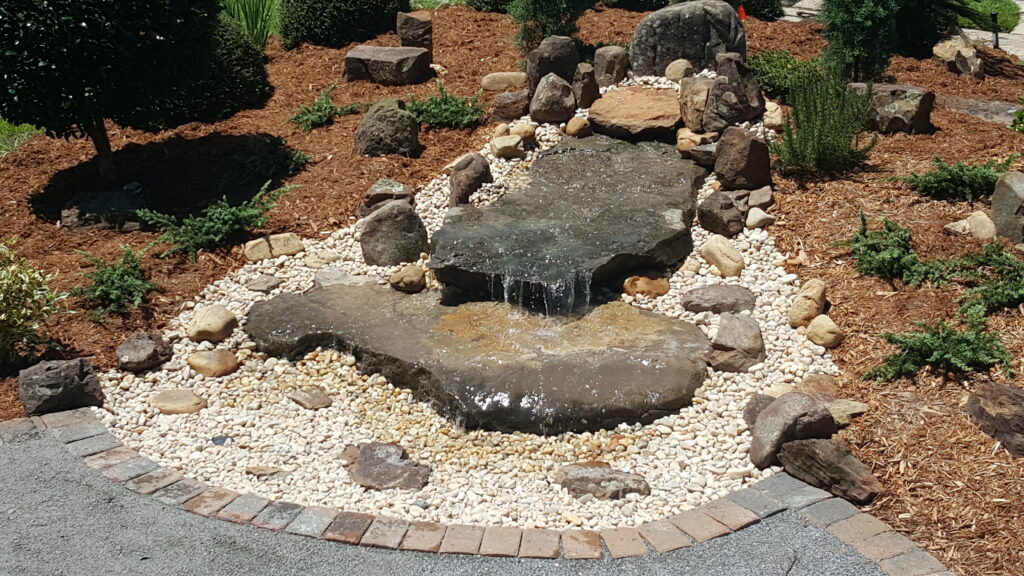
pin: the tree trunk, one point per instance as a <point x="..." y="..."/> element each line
<point x="97" y="132"/>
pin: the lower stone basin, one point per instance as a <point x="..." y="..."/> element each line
<point x="493" y="366"/>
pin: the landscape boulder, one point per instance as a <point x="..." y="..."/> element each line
<point x="721" y="254"/>
<point x="213" y="363"/>
<point x="388" y="65"/>
<point x="808" y="304"/>
<point x="384" y="190"/>
<point x="611" y="63"/>
<point x="967" y="63"/>
<point x="387" y="128"/>
<point x="553" y="101"/>
<point x="823" y="331"/>
<point x="502" y="81"/>
<point x="415" y="29"/>
<point x="141" y="352"/>
<point x="178" y="401"/>
<point x="555" y="55"/>
<point x="57" y="385"/>
<point x="393" y="234"/>
<point x="600" y="480"/>
<point x="792" y="416"/>
<point x="584" y="85"/>
<point x="264" y="284"/>
<point x="743" y="161"/>
<point x="578" y="127"/>
<point x="213" y="323"/>
<point x="382" y="466"/>
<point x="679" y="69"/>
<point x="469" y="174"/>
<point x="826" y="464"/>
<point x="105" y="209"/>
<point x="687" y="140"/>
<point x="757" y="218"/>
<point x="273" y="246"/>
<point x="511" y="105"/>
<point x="734" y="97"/>
<point x="899" y="108"/>
<point x="1008" y="206"/>
<point x="410" y="279"/>
<point x="705" y="155"/>
<point x="637" y="113"/>
<point x="738" y="344"/>
<point x="650" y="287"/>
<point x="696" y="31"/>
<point x="718" y="298"/>
<point x="718" y="214"/>
<point x="980" y="226"/>
<point x="526" y="131"/>
<point x="693" y="101"/>
<point x="754" y="407"/>
<point x="999" y="410"/>
<point x="508" y="147"/>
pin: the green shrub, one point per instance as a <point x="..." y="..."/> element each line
<point x="885" y="253"/>
<point x="822" y="133"/>
<point x="447" y="110"/>
<point x="116" y="286"/>
<point x="943" y="348"/>
<point x="70" y="64"/>
<point x="322" y="112"/>
<point x="489" y="5"/>
<point x="997" y="279"/>
<point x="960" y="181"/>
<point x="861" y="34"/>
<point x="336" y="23"/>
<point x="539" y="19"/>
<point x="779" y="72"/>
<point x="12" y="135"/>
<point x="26" y="301"/>
<point x="219" y="225"/>
<point x="258" y="19"/>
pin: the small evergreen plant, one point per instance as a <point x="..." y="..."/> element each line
<point x="217" y="226"/>
<point x="821" y="135"/>
<point x="942" y="347"/>
<point x="539" y="19"/>
<point x="116" y="287"/>
<point x="447" y="110"/>
<point x="26" y="302"/>
<point x="779" y="72"/>
<point x="960" y="181"/>
<point x="322" y="112"/>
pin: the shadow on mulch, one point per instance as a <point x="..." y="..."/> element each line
<point x="999" y="63"/>
<point x="179" y="175"/>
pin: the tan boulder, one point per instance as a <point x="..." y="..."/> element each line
<point x="652" y="287"/>
<point x="687" y="140"/>
<point x="578" y="127"/>
<point x="719" y="252"/>
<point x="809" y="303"/>
<point x="503" y="81"/>
<point x="679" y="69"/>
<point x="410" y="279"/>
<point x="508" y="147"/>
<point x="693" y="100"/>
<point x="213" y="363"/>
<point x="773" y="117"/>
<point x="500" y="130"/>
<point x="526" y="131"/>
<point x="981" y="226"/>
<point x="636" y="112"/>
<point x="823" y="331"/>
<point x="212" y="324"/>
<point x="177" y="402"/>
<point x="286" y="244"/>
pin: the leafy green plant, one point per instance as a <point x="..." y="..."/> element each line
<point x="997" y="280"/>
<point x="960" y="181"/>
<point x="943" y="348"/>
<point x="779" y="72"/>
<point x="322" y="112"/>
<point x="26" y="302"/>
<point x="885" y="253"/>
<point x="258" y="19"/>
<point x="12" y="135"/>
<point x="1008" y="15"/>
<point x="447" y="110"/>
<point x="539" y="19"/>
<point x="217" y="226"/>
<point x="822" y="133"/>
<point x="116" y="286"/>
<point x="1018" y="118"/>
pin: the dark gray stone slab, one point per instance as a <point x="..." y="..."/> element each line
<point x="489" y="366"/>
<point x="595" y="210"/>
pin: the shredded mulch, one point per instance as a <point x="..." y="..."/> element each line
<point x="950" y="487"/>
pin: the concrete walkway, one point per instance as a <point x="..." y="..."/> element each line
<point x="60" y="518"/>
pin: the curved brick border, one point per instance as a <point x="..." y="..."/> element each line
<point x="85" y="436"/>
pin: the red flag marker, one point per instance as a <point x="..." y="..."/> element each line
<point x="743" y="13"/>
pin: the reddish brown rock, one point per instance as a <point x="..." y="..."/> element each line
<point x="999" y="410"/>
<point x="828" y="465"/>
<point x="381" y="466"/>
<point x="637" y="112"/>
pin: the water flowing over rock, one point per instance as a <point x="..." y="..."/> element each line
<point x="492" y="366"/>
<point x="547" y="243"/>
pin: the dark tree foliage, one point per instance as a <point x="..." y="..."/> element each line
<point x="336" y="22"/>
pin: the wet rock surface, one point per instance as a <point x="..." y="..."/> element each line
<point x="492" y="366"/>
<point x="548" y="242"/>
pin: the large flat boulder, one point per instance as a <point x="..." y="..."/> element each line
<point x="637" y="113"/>
<point x="388" y="65"/>
<point x="696" y="31"/>
<point x="489" y="365"/>
<point x="595" y="210"/>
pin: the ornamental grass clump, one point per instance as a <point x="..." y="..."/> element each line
<point x="26" y="302"/>
<point x="116" y="287"/>
<point x="822" y="134"/>
<point x="447" y="110"/>
<point x="960" y="181"/>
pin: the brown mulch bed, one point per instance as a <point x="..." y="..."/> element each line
<point x="948" y="487"/>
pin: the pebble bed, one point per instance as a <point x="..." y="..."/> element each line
<point x="478" y="477"/>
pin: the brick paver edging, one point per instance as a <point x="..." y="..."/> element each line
<point x="85" y="436"/>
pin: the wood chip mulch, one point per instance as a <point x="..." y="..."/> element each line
<point x="950" y="487"/>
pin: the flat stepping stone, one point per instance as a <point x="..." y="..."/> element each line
<point x="596" y="209"/>
<point x="177" y="402"/>
<point x="487" y="365"/>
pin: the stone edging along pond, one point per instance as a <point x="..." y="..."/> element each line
<point x="85" y="436"/>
